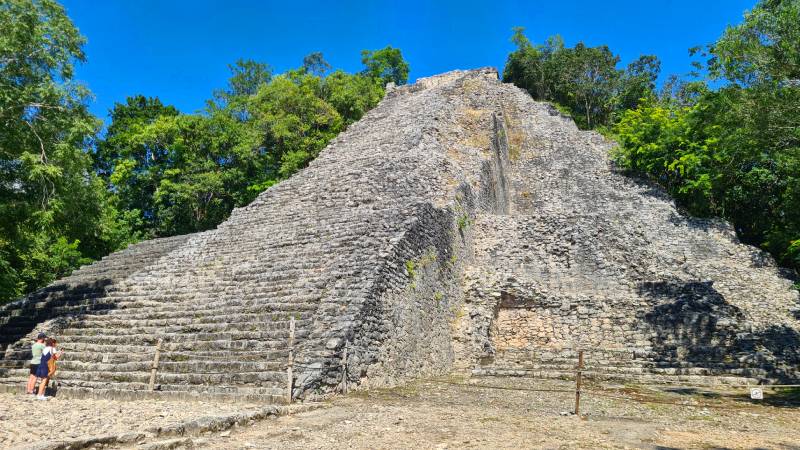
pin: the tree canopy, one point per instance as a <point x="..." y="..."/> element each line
<point x="583" y="80"/>
<point x="734" y="150"/>
<point x="70" y="193"/>
<point x="386" y="64"/>
<point x="725" y="141"/>
<point x="51" y="212"/>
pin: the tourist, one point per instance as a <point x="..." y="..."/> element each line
<point x="47" y="366"/>
<point x="36" y="350"/>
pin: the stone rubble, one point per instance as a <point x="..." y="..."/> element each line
<point x="26" y="422"/>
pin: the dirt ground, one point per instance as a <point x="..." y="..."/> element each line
<point x="438" y="415"/>
<point x="491" y="413"/>
<point x="25" y="421"/>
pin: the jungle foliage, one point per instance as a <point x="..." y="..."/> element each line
<point x="71" y="193"/>
<point x="584" y="80"/>
<point x="724" y="140"/>
<point x="728" y="144"/>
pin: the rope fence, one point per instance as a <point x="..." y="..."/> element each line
<point x="756" y="390"/>
<point x="580" y="369"/>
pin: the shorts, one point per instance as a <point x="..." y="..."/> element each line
<point x="34" y="367"/>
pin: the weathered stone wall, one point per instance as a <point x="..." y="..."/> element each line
<point x="330" y="247"/>
<point x="591" y="259"/>
<point x="456" y="219"/>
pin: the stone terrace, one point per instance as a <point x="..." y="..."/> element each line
<point x="458" y="224"/>
<point x="590" y="259"/>
<point x="327" y="247"/>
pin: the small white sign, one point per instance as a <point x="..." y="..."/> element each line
<point x="757" y="393"/>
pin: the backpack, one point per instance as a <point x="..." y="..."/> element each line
<point x="51" y="365"/>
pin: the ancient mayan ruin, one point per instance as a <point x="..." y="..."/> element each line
<point x="459" y="226"/>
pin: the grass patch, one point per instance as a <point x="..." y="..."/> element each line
<point x="515" y="138"/>
<point x="473" y="121"/>
<point x="464" y="222"/>
<point x="411" y="269"/>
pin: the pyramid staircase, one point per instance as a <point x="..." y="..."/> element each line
<point x="458" y="224"/>
<point x="108" y="318"/>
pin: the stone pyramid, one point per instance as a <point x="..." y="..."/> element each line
<point x="458" y="225"/>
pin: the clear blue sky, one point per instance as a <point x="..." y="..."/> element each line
<point x="178" y="50"/>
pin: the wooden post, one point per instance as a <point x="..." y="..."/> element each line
<point x="154" y="368"/>
<point x="290" y="367"/>
<point x="344" y="369"/>
<point x="578" y="384"/>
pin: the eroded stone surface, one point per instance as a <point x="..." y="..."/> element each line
<point x="457" y="222"/>
<point x="590" y="259"/>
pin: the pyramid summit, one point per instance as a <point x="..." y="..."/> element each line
<point x="459" y="225"/>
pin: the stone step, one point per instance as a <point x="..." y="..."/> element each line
<point x="565" y="359"/>
<point x="648" y="378"/>
<point x="184" y="346"/>
<point x="113" y="320"/>
<point x="234" y="349"/>
<point x="253" y="305"/>
<point x="654" y="361"/>
<point x="142" y="378"/>
<point x="204" y="291"/>
<point x="123" y="338"/>
<point x="66" y="300"/>
<point x="222" y="326"/>
<point x="614" y="365"/>
<point x="241" y="348"/>
<point x="573" y="353"/>
<point x="175" y="367"/>
<point x="110" y="354"/>
<point x="192" y="309"/>
<point x="682" y="370"/>
<point x="199" y="313"/>
<point x="77" y="307"/>
<point x="102" y="390"/>
<point x="98" y="330"/>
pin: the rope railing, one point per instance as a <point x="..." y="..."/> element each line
<point x="756" y="390"/>
<point x="580" y="368"/>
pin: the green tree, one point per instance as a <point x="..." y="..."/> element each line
<point x="50" y="202"/>
<point x="315" y="64"/>
<point x="170" y="173"/>
<point x="351" y="95"/>
<point x="765" y="47"/>
<point x="638" y="82"/>
<point x="297" y="123"/>
<point x="386" y="64"/>
<point x="734" y="150"/>
<point x="584" y="80"/>
<point x="247" y="76"/>
<point x="588" y="83"/>
<point x="132" y="164"/>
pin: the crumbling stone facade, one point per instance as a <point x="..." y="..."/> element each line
<point x="458" y="224"/>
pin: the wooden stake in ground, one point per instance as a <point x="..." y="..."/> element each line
<point x="154" y="368"/>
<point x="344" y="369"/>
<point x="289" y="374"/>
<point x="578" y="384"/>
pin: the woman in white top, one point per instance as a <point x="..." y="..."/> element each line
<point x="43" y="372"/>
